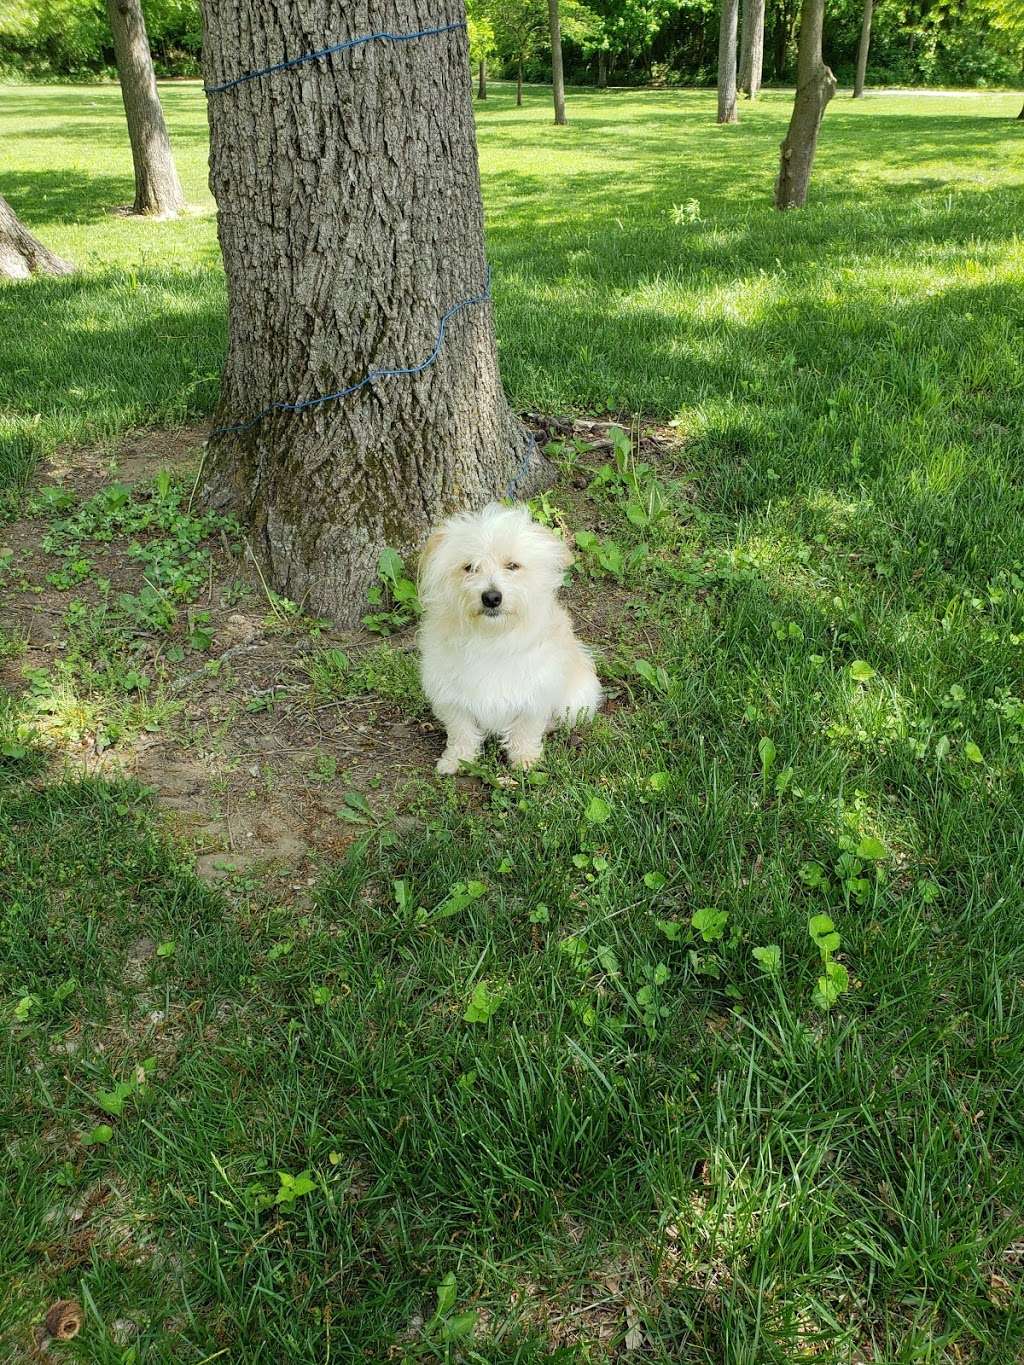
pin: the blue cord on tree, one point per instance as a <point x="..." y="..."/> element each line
<point x="302" y="404"/>
<point x="331" y="52"/>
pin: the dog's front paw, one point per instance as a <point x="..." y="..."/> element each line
<point x="524" y="758"/>
<point x="449" y="763"/>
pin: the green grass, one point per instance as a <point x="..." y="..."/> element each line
<point x="603" y="301"/>
<point x="651" y="1131"/>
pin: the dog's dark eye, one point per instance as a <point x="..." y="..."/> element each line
<point x="467" y="568"/>
<point x="512" y="567"/>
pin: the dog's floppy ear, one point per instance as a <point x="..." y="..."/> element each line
<point x="434" y="542"/>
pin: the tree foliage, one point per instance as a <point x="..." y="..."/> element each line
<point x="482" y="44"/>
<point x="957" y="42"/>
<point x="72" y="37"/>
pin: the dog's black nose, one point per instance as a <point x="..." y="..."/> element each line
<point x="491" y="598"/>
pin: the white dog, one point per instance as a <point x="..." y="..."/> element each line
<point x="498" y="653"/>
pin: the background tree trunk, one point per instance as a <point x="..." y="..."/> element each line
<point x="21" y="254"/>
<point x="350" y="221"/>
<point x="752" y="47"/>
<point x="727" y="62"/>
<point x="780" y="42"/>
<point x="519" y="82"/>
<point x="602" y="69"/>
<point x="744" y="42"/>
<point x="481" y="89"/>
<point x="815" y="86"/>
<point x="862" y="51"/>
<point x="557" y="74"/>
<point x="157" y="187"/>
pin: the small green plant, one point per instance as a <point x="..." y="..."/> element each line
<point x="834" y="980"/>
<point x="543" y="507"/>
<point x="355" y="810"/>
<point x="654" y="676"/>
<point x="113" y="1101"/>
<point x="98" y="1136"/>
<point x="395" y="594"/>
<point x="649" y="998"/>
<point x="446" y="1327"/>
<point x="607" y="558"/>
<point x="483" y="1004"/>
<point x="710" y="923"/>
<point x="382" y="671"/>
<point x="293" y="1187"/>
<point x="290" y="1189"/>
<point x="688" y="212"/>
<point x="461" y="895"/>
<point x="325" y="767"/>
<point x="25" y="1006"/>
<point x="768" y="958"/>
<point x="200" y="635"/>
<point x="635" y="481"/>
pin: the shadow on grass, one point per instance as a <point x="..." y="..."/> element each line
<point x="40" y="197"/>
<point x="100" y="353"/>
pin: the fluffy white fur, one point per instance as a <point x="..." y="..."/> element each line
<point x="512" y="668"/>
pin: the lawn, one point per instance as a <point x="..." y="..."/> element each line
<point x="572" y="1067"/>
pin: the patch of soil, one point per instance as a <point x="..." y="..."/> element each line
<point x="135" y="459"/>
<point x="245" y="761"/>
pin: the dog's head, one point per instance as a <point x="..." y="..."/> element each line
<point x="492" y="567"/>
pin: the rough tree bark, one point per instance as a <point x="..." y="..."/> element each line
<point x="557" y="74"/>
<point x="727" y="61"/>
<point x="862" y="51"/>
<point x="602" y="69"/>
<point x="519" y="82"/>
<point x="21" y="254"/>
<point x="815" y="86"/>
<point x="157" y="187"/>
<point x="752" y="47"/>
<point x="481" y="89"/>
<point x="350" y="221"/>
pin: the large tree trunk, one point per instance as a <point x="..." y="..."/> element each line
<point x="519" y="82"/>
<point x="815" y="86"/>
<point x="727" y="62"/>
<point x="157" y="187"/>
<point x="21" y="254"/>
<point x="862" y="51"/>
<point x="481" y="89"/>
<point x="752" y="47"/>
<point x="557" y="74"/>
<point x="602" y="69"/>
<point x="350" y="221"/>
